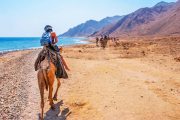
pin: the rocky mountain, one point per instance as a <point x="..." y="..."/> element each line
<point x="141" y="21"/>
<point x="90" y="27"/>
<point x="165" y="24"/>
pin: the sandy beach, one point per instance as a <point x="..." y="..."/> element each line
<point x="139" y="79"/>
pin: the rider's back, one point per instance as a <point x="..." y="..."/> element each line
<point x="46" y="39"/>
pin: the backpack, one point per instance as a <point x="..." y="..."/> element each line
<point x="46" y="39"/>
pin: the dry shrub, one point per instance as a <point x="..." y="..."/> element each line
<point x="177" y="59"/>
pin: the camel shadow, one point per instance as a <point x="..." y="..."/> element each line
<point x="57" y="114"/>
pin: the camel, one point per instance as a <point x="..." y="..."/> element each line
<point x="46" y="77"/>
<point x="103" y="42"/>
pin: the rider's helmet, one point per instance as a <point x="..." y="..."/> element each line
<point x="48" y="28"/>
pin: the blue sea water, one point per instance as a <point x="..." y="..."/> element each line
<point x="21" y="43"/>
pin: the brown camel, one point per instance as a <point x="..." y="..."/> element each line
<point x="46" y="78"/>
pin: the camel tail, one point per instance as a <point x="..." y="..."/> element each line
<point x="45" y="79"/>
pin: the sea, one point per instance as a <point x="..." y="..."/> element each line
<point x="22" y="43"/>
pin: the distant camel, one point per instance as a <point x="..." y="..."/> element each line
<point x="46" y="78"/>
<point x="103" y="41"/>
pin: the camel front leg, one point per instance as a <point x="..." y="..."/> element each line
<point x="41" y="88"/>
<point x="58" y="85"/>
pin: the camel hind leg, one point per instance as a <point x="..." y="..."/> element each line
<point x="58" y="85"/>
<point x="41" y="88"/>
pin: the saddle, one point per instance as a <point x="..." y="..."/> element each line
<point x="46" y="56"/>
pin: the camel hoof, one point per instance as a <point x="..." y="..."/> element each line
<point x="52" y="107"/>
<point x="55" y="98"/>
<point x="40" y="117"/>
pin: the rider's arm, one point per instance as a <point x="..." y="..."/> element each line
<point x="54" y="37"/>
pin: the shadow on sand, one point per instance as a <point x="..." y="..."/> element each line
<point x="57" y="114"/>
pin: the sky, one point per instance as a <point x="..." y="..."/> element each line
<point x="27" y="18"/>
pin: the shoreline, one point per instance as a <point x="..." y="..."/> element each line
<point x="10" y="51"/>
<point x="37" y="48"/>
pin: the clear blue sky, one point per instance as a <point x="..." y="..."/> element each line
<point x="28" y="17"/>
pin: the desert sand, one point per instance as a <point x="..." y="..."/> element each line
<point x="139" y="79"/>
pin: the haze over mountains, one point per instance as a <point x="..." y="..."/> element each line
<point x="161" y="19"/>
<point x="90" y="27"/>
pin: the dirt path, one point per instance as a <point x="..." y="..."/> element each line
<point x="122" y="89"/>
<point x="103" y="87"/>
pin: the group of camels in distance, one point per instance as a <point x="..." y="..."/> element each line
<point x="103" y="40"/>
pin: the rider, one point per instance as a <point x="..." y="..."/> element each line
<point x="50" y="39"/>
<point x="97" y="40"/>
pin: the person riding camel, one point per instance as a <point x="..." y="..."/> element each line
<point x="49" y="40"/>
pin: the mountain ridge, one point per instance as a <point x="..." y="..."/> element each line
<point x="162" y="18"/>
<point x="135" y="22"/>
<point x="90" y="27"/>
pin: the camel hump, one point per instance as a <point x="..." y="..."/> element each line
<point x="44" y="64"/>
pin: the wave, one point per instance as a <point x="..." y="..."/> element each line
<point x="14" y="50"/>
<point x="81" y="42"/>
